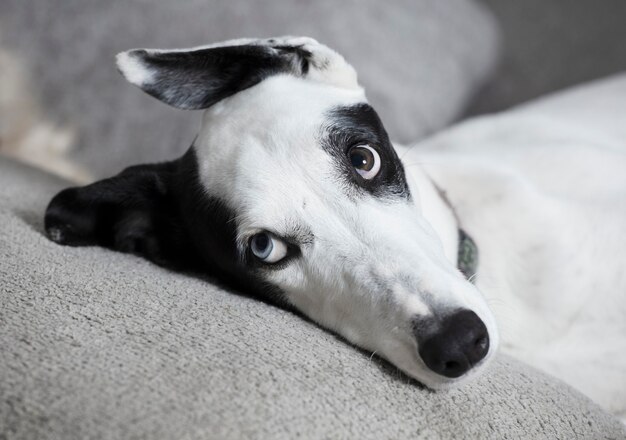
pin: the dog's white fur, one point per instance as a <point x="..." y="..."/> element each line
<point x="542" y="190"/>
<point x="260" y="151"/>
<point x="373" y="263"/>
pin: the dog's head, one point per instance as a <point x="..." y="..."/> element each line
<point x="292" y="190"/>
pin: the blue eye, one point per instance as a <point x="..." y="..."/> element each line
<point x="267" y="248"/>
<point x="261" y="245"/>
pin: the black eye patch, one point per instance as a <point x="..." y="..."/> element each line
<point x="349" y="126"/>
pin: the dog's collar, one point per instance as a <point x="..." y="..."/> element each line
<point x="467" y="251"/>
<point x="467" y="255"/>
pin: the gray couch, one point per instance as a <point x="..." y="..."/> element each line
<point x="97" y="344"/>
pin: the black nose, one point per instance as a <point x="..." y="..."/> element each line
<point x="459" y="342"/>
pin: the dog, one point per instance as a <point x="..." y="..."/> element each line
<point x="292" y="190"/>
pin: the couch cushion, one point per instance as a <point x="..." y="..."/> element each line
<point x="545" y="49"/>
<point x="97" y="344"/>
<point x="420" y="60"/>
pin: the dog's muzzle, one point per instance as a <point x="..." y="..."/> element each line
<point x="453" y="345"/>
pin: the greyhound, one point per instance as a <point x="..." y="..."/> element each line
<point x="292" y="190"/>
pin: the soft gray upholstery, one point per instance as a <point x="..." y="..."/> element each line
<point x="420" y="60"/>
<point x="101" y="345"/>
<point x="552" y="45"/>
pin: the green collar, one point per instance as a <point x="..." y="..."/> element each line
<point x="467" y="256"/>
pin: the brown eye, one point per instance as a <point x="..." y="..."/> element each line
<point x="365" y="161"/>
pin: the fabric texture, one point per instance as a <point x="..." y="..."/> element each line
<point x="101" y="345"/>
<point x="419" y="60"/>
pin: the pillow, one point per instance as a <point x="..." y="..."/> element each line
<point x="98" y="344"/>
<point x="420" y="61"/>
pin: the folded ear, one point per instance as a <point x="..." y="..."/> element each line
<point x="135" y="212"/>
<point x="199" y="77"/>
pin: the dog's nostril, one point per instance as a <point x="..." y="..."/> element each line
<point x="451" y="365"/>
<point x="460" y="342"/>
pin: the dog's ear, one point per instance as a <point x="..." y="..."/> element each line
<point x="198" y="78"/>
<point x="135" y="212"/>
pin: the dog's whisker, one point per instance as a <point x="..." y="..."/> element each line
<point x="407" y="151"/>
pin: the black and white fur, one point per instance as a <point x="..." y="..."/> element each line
<point x="373" y="259"/>
<point x="359" y="256"/>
